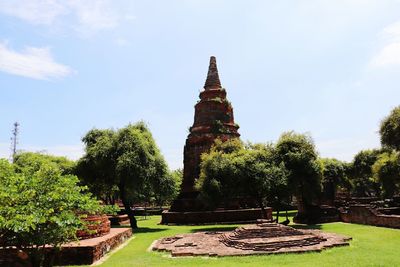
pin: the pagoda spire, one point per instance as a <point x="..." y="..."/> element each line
<point x="212" y="81"/>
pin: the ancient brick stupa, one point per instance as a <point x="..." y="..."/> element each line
<point x="213" y="119"/>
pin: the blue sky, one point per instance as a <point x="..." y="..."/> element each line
<point x="330" y="68"/>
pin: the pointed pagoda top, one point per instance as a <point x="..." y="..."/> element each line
<point x="212" y="81"/>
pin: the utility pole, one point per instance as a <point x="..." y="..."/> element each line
<point x="14" y="141"/>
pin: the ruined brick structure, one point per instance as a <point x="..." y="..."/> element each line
<point x="367" y="214"/>
<point x="213" y="119"/>
<point x="260" y="238"/>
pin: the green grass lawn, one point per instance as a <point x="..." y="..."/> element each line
<point x="371" y="246"/>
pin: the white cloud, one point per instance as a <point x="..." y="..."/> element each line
<point x="122" y="42"/>
<point x="130" y="17"/>
<point x="392" y="31"/>
<point x="94" y="15"/>
<point x="87" y="16"/>
<point x="389" y="55"/>
<point x="32" y="62"/>
<point x="33" y="11"/>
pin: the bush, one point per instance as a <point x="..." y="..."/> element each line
<point x="40" y="207"/>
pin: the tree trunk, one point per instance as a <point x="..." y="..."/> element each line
<point x="260" y="203"/>
<point x="302" y="205"/>
<point x="35" y="257"/>
<point x="278" y="207"/>
<point x="127" y="207"/>
<point x="51" y="256"/>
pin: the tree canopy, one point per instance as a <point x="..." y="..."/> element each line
<point x="128" y="160"/>
<point x="34" y="160"/>
<point x="231" y="170"/>
<point x="166" y="188"/>
<point x="97" y="167"/>
<point x="361" y="175"/>
<point x="390" y="130"/>
<point x="334" y="175"/>
<point x="298" y="153"/>
<point x="41" y="206"/>
<point x="386" y="171"/>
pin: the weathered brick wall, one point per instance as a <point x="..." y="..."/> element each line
<point x="71" y="254"/>
<point x="97" y="225"/>
<point x="364" y="214"/>
<point x="213" y="119"/>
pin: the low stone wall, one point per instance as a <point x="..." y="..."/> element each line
<point x="217" y="216"/>
<point x="364" y="214"/>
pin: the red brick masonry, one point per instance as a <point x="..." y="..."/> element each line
<point x="213" y="118"/>
<point x="97" y="225"/>
<point x="85" y="251"/>
<point x="364" y="214"/>
<point x="262" y="238"/>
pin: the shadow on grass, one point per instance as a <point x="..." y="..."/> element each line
<point x="307" y="226"/>
<point x="148" y="230"/>
<point x="141" y="229"/>
<point x="214" y="229"/>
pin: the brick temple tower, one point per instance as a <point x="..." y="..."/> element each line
<point x="213" y="119"/>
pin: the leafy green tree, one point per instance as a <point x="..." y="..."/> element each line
<point x="137" y="165"/>
<point x="34" y="160"/>
<point x="298" y="153"/>
<point x="390" y="130"/>
<point x="128" y="159"/>
<point x="6" y="169"/>
<point x="231" y="170"/>
<point x="361" y="175"/>
<point x="334" y="174"/>
<point x="386" y="171"/>
<point x="97" y="168"/>
<point x="41" y="206"/>
<point x="167" y="187"/>
<point x="219" y="180"/>
<point x="265" y="178"/>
